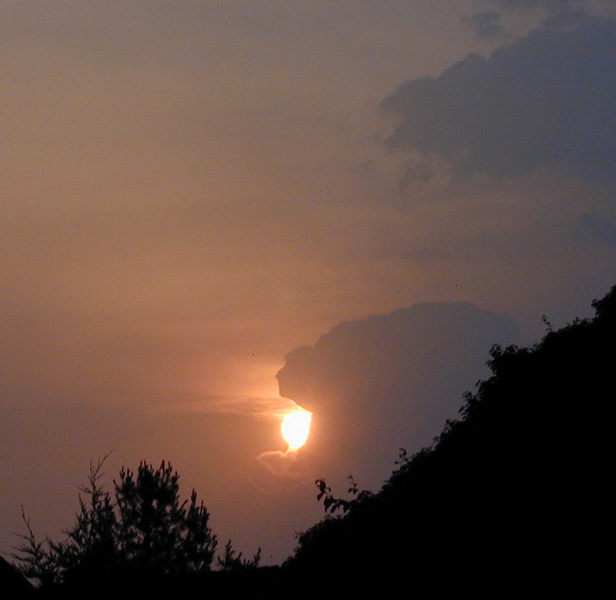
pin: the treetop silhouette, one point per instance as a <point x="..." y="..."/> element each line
<point x="143" y="527"/>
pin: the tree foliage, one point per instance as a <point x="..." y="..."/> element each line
<point x="232" y="561"/>
<point x="156" y="531"/>
<point x="333" y="504"/>
<point x="143" y="527"/>
<point x="516" y="490"/>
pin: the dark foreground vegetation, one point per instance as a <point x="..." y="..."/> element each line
<point x="515" y="496"/>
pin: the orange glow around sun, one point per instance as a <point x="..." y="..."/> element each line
<point x="295" y="428"/>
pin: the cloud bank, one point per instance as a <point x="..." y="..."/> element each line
<point x="544" y="101"/>
<point x="386" y="382"/>
<point x="486" y="24"/>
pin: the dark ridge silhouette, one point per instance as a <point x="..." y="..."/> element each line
<point x="514" y="497"/>
<point x="515" y="494"/>
<point x="261" y="583"/>
<point x="12" y="583"/>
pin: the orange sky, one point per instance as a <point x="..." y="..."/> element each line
<point x="192" y="190"/>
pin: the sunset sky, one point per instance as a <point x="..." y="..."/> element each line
<point x="359" y="197"/>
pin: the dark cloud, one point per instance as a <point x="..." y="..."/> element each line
<point x="520" y="3"/>
<point x="560" y="10"/>
<point x="550" y="5"/>
<point x="486" y="24"/>
<point x="565" y="15"/>
<point x="544" y="101"/>
<point x="387" y="382"/>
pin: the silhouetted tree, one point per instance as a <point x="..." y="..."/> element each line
<point x="232" y="561"/>
<point x="37" y="559"/>
<point x="515" y="493"/>
<point x="332" y="504"/>
<point x="155" y="530"/>
<point x="90" y="542"/>
<point x="144" y="527"/>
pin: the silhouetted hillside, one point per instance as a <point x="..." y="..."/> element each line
<point x="513" y="495"/>
<point x="12" y="583"/>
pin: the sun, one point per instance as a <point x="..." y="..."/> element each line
<point x="295" y="428"/>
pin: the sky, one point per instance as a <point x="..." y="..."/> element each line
<point x="212" y="213"/>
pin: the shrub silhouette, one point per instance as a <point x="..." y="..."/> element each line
<point x="232" y="561"/>
<point x="144" y="528"/>
<point x="156" y="531"/>
<point x="515" y="493"/>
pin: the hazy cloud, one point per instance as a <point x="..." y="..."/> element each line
<point x="281" y="463"/>
<point x="550" y="5"/>
<point x="544" y="101"/>
<point x="259" y="408"/>
<point x="388" y="381"/>
<point x="486" y="24"/>
<point x="520" y="3"/>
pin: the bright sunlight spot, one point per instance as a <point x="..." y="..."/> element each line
<point x="295" y="428"/>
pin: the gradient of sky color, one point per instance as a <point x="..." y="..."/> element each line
<point x="192" y="191"/>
